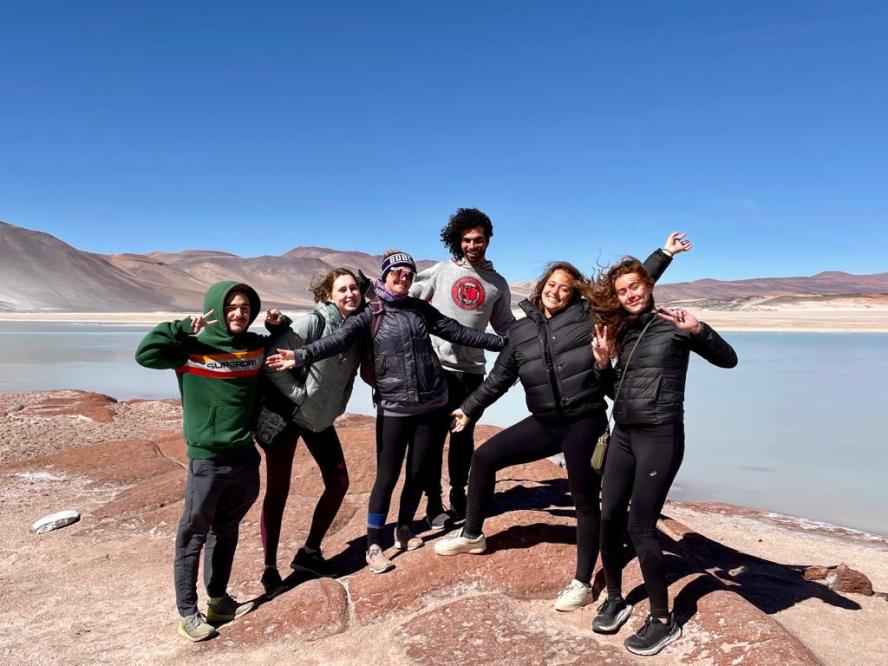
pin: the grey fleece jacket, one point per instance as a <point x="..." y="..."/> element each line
<point x="328" y="386"/>
<point x="474" y="297"/>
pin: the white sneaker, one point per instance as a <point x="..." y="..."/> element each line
<point x="377" y="561"/>
<point x="455" y="543"/>
<point x="573" y="597"/>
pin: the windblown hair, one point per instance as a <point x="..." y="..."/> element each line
<point x="581" y="285"/>
<point x="460" y="222"/>
<point x="610" y="311"/>
<point x="322" y="285"/>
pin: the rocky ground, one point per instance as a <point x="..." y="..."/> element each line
<point x="746" y="584"/>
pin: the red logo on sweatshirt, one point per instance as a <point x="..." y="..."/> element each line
<point x="468" y="293"/>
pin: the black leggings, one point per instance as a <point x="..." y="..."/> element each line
<point x="530" y="440"/>
<point x="462" y="445"/>
<point x="418" y="436"/>
<point x="642" y="462"/>
<point x="326" y="450"/>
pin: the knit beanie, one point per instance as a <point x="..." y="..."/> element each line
<point x="395" y="260"/>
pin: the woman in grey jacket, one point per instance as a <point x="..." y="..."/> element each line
<point x="313" y="401"/>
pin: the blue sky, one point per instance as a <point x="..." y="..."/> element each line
<point x="585" y="129"/>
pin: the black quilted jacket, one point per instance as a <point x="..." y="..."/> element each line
<point x="654" y="388"/>
<point x="553" y="360"/>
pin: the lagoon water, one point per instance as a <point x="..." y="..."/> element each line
<point x="796" y="428"/>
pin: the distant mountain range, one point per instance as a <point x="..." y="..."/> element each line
<point x="40" y="273"/>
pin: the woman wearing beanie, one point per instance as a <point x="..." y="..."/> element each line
<point x="409" y="390"/>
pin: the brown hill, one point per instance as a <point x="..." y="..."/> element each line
<point x="38" y="272"/>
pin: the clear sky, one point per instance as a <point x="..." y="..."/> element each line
<point x="585" y="129"/>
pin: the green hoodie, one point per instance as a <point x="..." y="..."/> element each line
<point x="217" y="373"/>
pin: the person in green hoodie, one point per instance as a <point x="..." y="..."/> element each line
<point x="217" y="362"/>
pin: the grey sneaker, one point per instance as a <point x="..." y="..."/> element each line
<point x="455" y="543"/>
<point x="653" y="636"/>
<point x="377" y="561"/>
<point x="439" y="521"/>
<point x="195" y="628"/>
<point x="405" y="540"/>
<point x="573" y="597"/>
<point x="225" y="609"/>
<point x="611" y="615"/>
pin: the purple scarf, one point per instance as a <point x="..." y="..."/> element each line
<point x="381" y="291"/>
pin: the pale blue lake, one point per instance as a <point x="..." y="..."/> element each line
<point x="798" y="427"/>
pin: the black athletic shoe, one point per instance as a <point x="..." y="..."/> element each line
<point x="271" y="581"/>
<point x="611" y="615"/>
<point x="312" y="562"/>
<point x="653" y="636"/>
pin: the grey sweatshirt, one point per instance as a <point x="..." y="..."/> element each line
<point x="474" y="297"/>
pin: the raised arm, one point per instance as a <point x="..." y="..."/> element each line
<point x="701" y="337"/>
<point x="660" y="259"/>
<point x="166" y="345"/>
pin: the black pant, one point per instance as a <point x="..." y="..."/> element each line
<point x="326" y="450"/>
<point x="218" y="495"/>
<point x="417" y="436"/>
<point x="530" y="440"/>
<point x="642" y="462"/>
<point x="462" y="446"/>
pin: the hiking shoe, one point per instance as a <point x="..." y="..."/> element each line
<point x="405" y="540"/>
<point x="573" y="597"/>
<point x="225" y="609"/>
<point x="653" y="636"/>
<point x="195" y="628"/>
<point x="310" y="561"/>
<point x="455" y="543"/>
<point x="271" y="581"/>
<point x="439" y="521"/>
<point x="611" y="615"/>
<point x="377" y="561"/>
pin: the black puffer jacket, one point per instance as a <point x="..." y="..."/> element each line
<point x="654" y="388"/>
<point x="553" y="359"/>
<point x="406" y="367"/>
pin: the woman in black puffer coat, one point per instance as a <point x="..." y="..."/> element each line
<point x="409" y="390"/>
<point x="652" y="346"/>
<point x="549" y="351"/>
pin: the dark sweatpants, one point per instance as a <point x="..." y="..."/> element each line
<point x="416" y="436"/>
<point x="530" y="440"/>
<point x="642" y="462"/>
<point x="218" y="494"/>
<point x="462" y="446"/>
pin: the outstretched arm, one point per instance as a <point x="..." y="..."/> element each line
<point x="494" y="386"/>
<point x="166" y="345"/>
<point x="451" y="330"/>
<point x="660" y="259"/>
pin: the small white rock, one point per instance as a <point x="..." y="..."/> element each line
<point x="55" y="520"/>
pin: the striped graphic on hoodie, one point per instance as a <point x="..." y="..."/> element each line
<point x="224" y="366"/>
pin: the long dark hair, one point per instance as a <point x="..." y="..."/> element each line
<point x="610" y="311"/>
<point x="581" y="286"/>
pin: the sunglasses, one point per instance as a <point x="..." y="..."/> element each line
<point x="402" y="273"/>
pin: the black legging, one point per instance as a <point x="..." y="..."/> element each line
<point x="530" y="440"/>
<point x="642" y="462"/>
<point x="418" y="436"/>
<point x="462" y="444"/>
<point x="326" y="450"/>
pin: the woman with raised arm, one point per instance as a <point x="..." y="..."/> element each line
<point x="409" y="390"/>
<point x="310" y="403"/>
<point x="549" y="351"/>
<point x="652" y="346"/>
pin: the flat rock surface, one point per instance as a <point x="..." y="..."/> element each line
<point x="737" y="577"/>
